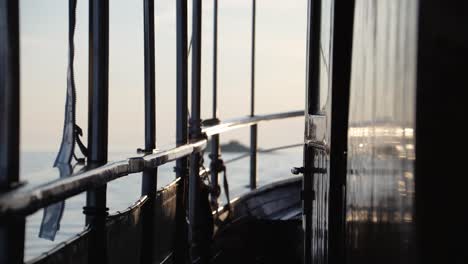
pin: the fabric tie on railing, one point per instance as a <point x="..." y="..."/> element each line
<point x="53" y="214"/>
<point x="67" y="146"/>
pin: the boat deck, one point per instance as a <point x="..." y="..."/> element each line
<point x="265" y="227"/>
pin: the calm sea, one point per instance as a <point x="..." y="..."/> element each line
<point x="123" y="192"/>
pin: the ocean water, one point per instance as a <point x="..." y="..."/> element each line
<point x="123" y="192"/>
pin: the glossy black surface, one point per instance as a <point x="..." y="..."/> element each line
<point x="380" y="166"/>
<point x="441" y="140"/>
<point x="341" y="59"/>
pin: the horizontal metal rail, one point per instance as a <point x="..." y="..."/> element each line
<point x="27" y="199"/>
<point x="247" y="121"/>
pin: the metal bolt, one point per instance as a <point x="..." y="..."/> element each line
<point x="297" y="170"/>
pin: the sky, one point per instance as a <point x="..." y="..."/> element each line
<point x="280" y="69"/>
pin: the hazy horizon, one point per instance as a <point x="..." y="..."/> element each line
<point x="280" y="69"/>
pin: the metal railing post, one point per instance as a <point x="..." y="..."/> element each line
<point x="198" y="247"/>
<point x="215" y="149"/>
<point x="181" y="169"/>
<point x="312" y="108"/>
<point x="149" y="180"/>
<point x="11" y="227"/>
<point x="343" y="21"/>
<point x="96" y="209"/>
<point x="253" y="128"/>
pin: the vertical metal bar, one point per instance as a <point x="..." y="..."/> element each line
<point x="215" y="59"/>
<point x="149" y="180"/>
<point x="253" y="128"/>
<point x="98" y="80"/>
<point x="312" y="107"/>
<point x="343" y="21"/>
<point x="182" y="84"/>
<point x="96" y="210"/>
<point x="12" y="227"/>
<point x="313" y="56"/>
<point x="215" y="150"/>
<point x="195" y="121"/>
<point x="181" y="131"/>
<point x="307" y="199"/>
<point x="198" y="247"/>
<point x="149" y="176"/>
<point x="9" y="88"/>
<point x="149" y="58"/>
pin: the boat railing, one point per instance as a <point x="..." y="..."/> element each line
<point x="19" y="199"/>
<point x="25" y="199"/>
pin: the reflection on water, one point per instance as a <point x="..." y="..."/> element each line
<point x="124" y="191"/>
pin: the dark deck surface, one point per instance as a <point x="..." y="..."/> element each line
<point x="264" y="227"/>
<point x="261" y="241"/>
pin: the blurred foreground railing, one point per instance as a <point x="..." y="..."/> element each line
<point x="26" y="199"/>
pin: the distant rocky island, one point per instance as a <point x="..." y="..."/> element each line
<point x="232" y="146"/>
